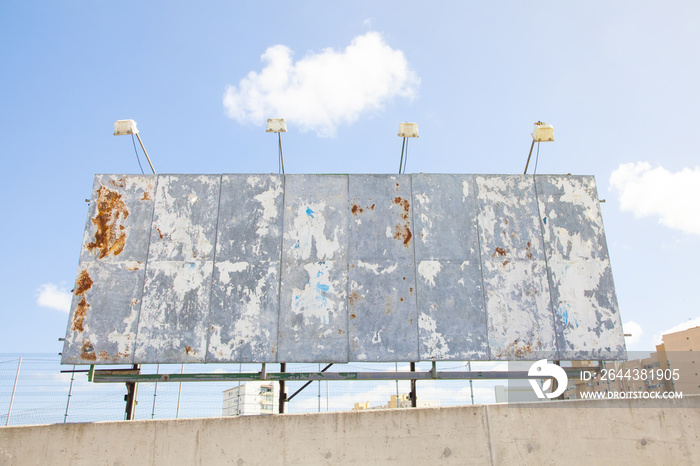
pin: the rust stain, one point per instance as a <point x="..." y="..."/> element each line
<point x="519" y="349"/>
<point x="134" y="302"/>
<point x="340" y="331"/>
<point x="403" y="203"/>
<point x="356" y="209"/>
<point x="119" y="183"/>
<point x="354" y="297"/>
<point x="401" y="299"/>
<point x="500" y="251"/>
<point x="83" y="283"/>
<point x="87" y="351"/>
<point x="146" y="196"/>
<point x="410" y="321"/>
<point x="103" y="355"/>
<point x="79" y="316"/>
<point x="159" y="233"/>
<point x="411" y="290"/>
<point x="529" y="251"/>
<point x="402" y="232"/>
<point x="506" y="263"/>
<point x="352" y="316"/>
<point x="189" y="350"/>
<point x="110" y="237"/>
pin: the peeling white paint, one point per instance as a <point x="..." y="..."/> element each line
<point x="320" y="297"/>
<point x="376" y="267"/>
<point x="429" y="270"/>
<point x="518" y="308"/>
<point x="309" y="232"/>
<point x="226" y="269"/>
<point x="268" y="200"/>
<point x="422" y="198"/>
<point x="465" y="190"/>
<point x="435" y="344"/>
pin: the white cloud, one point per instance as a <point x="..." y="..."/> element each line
<point x="678" y="328"/>
<point x="51" y="296"/>
<point x="635" y="330"/>
<point x="673" y="197"/>
<point x="323" y="90"/>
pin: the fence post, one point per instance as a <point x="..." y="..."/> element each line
<point x="70" y="390"/>
<point x="12" y="399"/>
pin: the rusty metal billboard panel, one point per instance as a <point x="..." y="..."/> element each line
<point x="313" y="319"/>
<point x="107" y="295"/>
<point x="585" y="308"/>
<point x="452" y="318"/>
<point x="516" y="292"/>
<point x="336" y="268"/>
<point x="177" y="291"/>
<point x="382" y="297"/>
<point x="245" y="291"/>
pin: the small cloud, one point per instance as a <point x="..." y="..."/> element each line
<point x="635" y="330"/>
<point x="672" y="197"/>
<point x="53" y="297"/>
<point x="322" y="90"/>
<point x="368" y="22"/>
<point x="678" y="328"/>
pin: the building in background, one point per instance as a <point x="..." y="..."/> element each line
<point x="251" y="399"/>
<point x="673" y="367"/>
<point x="400" y="401"/>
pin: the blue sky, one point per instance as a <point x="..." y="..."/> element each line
<point x="618" y="81"/>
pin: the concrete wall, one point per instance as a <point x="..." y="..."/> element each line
<point x="573" y="432"/>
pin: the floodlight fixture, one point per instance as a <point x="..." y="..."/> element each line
<point x="278" y="125"/>
<point x="542" y="133"/>
<point x="406" y="130"/>
<point x="126" y="127"/>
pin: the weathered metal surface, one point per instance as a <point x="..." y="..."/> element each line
<point x="177" y="290"/>
<point x="336" y="268"/>
<point x="245" y="292"/>
<point x="313" y="321"/>
<point x="452" y="319"/>
<point x="516" y="291"/>
<point x="382" y="288"/>
<point x="583" y="296"/>
<point x="107" y="294"/>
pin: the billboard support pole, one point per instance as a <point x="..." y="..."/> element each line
<point x="414" y="398"/>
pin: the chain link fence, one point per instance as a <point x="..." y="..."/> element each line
<point x="34" y="390"/>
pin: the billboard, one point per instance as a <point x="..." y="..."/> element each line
<point x="335" y="268"/>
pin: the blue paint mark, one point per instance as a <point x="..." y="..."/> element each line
<point x="321" y="287"/>
<point x="310" y="212"/>
<point x="564" y="312"/>
<point x="545" y="220"/>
